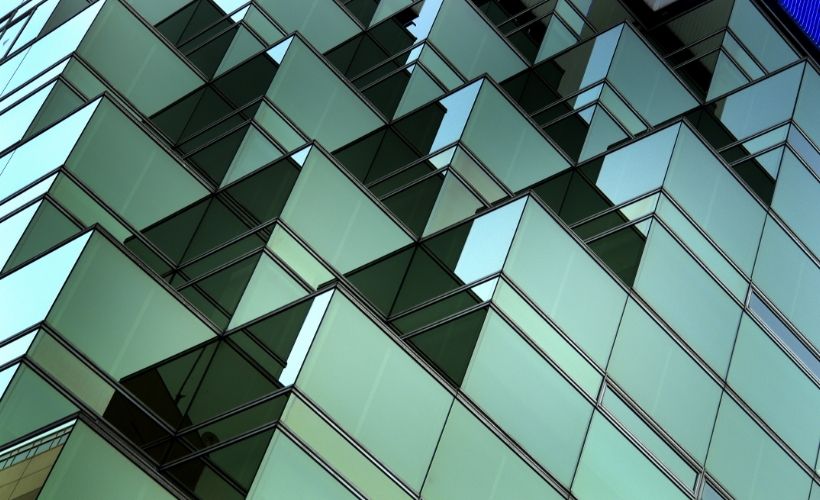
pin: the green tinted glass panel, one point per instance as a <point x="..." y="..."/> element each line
<point x="776" y="388"/>
<point x="611" y="467"/>
<point x="337" y="219"/>
<point x="645" y="82"/>
<point x="543" y="334"/>
<point x="134" y="60"/>
<point x="270" y="288"/>
<point x="565" y="282"/>
<point x="89" y="467"/>
<point x="339" y="453"/>
<point x="28" y="404"/>
<point x="527" y="397"/>
<point x="471" y="462"/>
<point x="120" y="317"/>
<point x="323" y="22"/>
<point x="797" y="200"/>
<point x="397" y="412"/>
<point x="147" y="185"/>
<point x="475" y="48"/>
<point x="287" y="472"/>
<point x="688" y="299"/>
<point x="717" y="202"/>
<point x="317" y="101"/>
<point x="789" y="278"/>
<point x="664" y="380"/>
<point x="507" y="143"/>
<point x="748" y="463"/>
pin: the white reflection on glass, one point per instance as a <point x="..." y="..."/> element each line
<point x="458" y="106"/>
<point x="26" y="196"/>
<point x="16" y="348"/>
<point x="637" y="168"/>
<point x="305" y="338"/>
<point x="45" y="152"/>
<point x="488" y="242"/>
<point x="26" y="295"/>
<point x="12" y="229"/>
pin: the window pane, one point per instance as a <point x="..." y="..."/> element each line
<point x="120" y="317"/>
<point x="748" y="463"/>
<point x="318" y="102"/>
<point x="397" y="412"/>
<point x="507" y="143"/>
<point x="565" y="282"/>
<point x="471" y="462"/>
<point x="527" y="397"/>
<point x="337" y="219"/>
<point x="612" y="468"/>
<point x="714" y="198"/>
<point x="777" y="390"/>
<point x="687" y="298"/>
<point x="664" y="380"/>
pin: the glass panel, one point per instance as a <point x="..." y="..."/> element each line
<point x="28" y="403"/>
<point x="471" y="462"/>
<point x="748" y="463"/>
<point x="15" y="121"/>
<point x="134" y="61"/>
<point x="563" y="281"/>
<point x="783" y="332"/>
<point x="646" y="82"/>
<point x="43" y="153"/>
<point x="339" y="453"/>
<point x="797" y="200"/>
<point x="323" y="22"/>
<point x="309" y="93"/>
<point x="12" y="229"/>
<point x="71" y="372"/>
<point x="789" y="279"/>
<point x="635" y="169"/>
<point x="299" y="259"/>
<point x="270" y="288"/>
<point x="759" y="36"/>
<point x="507" y="143"/>
<point x="664" y="380"/>
<point x="396" y="413"/>
<point x="28" y="293"/>
<point x="148" y="184"/>
<point x="287" y="472"/>
<point x="649" y="438"/>
<point x="776" y="389"/>
<point x="611" y="467"/>
<point x="537" y="328"/>
<point x="475" y="48"/>
<point x="278" y="127"/>
<point x="120" y="317"/>
<point x="772" y="98"/>
<point x="527" y="397"/>
<point x="688" y="299"/>
<point x="715" y="200"/>
<point x="354" y="230"/>
<point x="91" y="468"/>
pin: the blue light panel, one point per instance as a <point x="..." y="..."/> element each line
<point x="806" y="14"/>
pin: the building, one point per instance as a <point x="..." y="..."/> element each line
<point x="394" y="250"/>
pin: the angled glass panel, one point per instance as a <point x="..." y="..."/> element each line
<point x="789" y="279"/>
<point x="564" y="281"/>
<point x="687" y="298"/>
<point x="646" y="82"/>
<point x="527" y="397"/>
<point x="397" y="413"/>
<point x="471" y="462"/>
<point x="797" y="200"/>
<point x="664" y="380"/>
<point x="475" y="48"/>
<point x="748" y="463"/>
<point x="337" y="219"/>
<point x="317" y="101"/>
<point x="510" y="146"/>
<point x="611" y="467"/>
<point x="323" y="22"/>
<point x="119" y="316"/>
